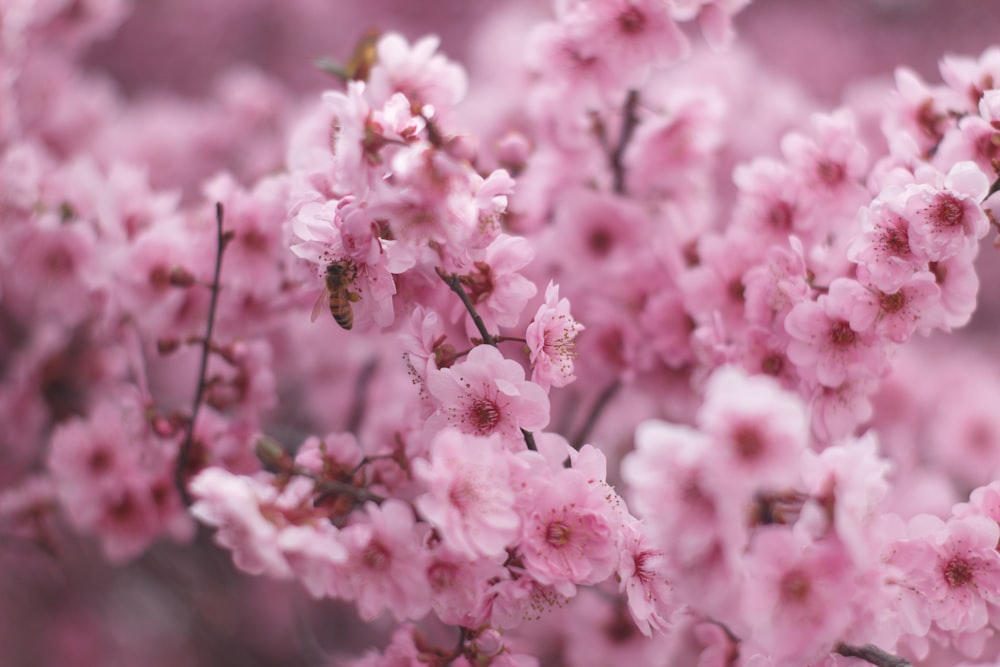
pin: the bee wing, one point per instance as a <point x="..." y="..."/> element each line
<point x="322" y="302"/>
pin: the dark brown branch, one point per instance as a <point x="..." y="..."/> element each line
<point x="357" y="413"/>
<point x="180" y="466"/>
<point x="335" y="488"/>
<point x="595" y="413"/>
<point x="871" y="654"/>
<point x="452" y="281"/>
<point x="629" y="122"/>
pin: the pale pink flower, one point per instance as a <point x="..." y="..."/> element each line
<point x="386" y="568"/>
<point x="469" y="500"/>
<point x="771" y="288"/>
<point x="233" y="504"/>
<point x="913" y="306"/>
<point x="952" y="568"/>
<point x="495" y="285"/>
<point x="642" y="571"/>
<point x="550" y="339"/>
<point x="487" y="394"/>
<point x="882" y="251"/>
<point x="461" y="589"/>
<point x="424" y="76"/>
<point x="758" y="432"/>
<point x="833" y="164"/>
<point x="629" y="34"/>
<point x="946" y="220"/>
<point x="796" y="595"/>
<point x="959" y="284"/>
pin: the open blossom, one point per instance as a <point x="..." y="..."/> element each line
<point x="470" y="500"/>
<point x="825" y="343"/>
<point x="386" y="569"/>
<point x="550" y="338"/>
<point x="947" y="220"/>
<point x="487" y="394"/>
<point x="571" y="534"/>
<point x="233" y="503"/>
<point x="426" y="78"/>
<point x="758" y="429"/>
<point x="952" y="569"/>
<point x="797" y="595"/>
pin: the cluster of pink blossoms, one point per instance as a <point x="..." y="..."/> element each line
<point x="609" y="376"/>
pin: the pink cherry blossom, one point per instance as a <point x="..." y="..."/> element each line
<point x="385" y="570"/>
<point x="570" y="535"/>
<point x="825" y="343"/>
<point x="550" y="339"/>
<point x="758" y="430"/>
<point x="469" y="499"/>
<point x="487" y="394"/>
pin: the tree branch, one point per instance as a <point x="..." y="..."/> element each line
<point x="451" y="280"/>
<point x="180" y="466"/>
<point x="629" y="122"/>
<point x="872" y="654"/>
<point x="595" y="413"/>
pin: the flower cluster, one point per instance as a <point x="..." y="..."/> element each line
<point x="624" y="362"/>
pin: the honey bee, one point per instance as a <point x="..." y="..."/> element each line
<point x="339" y="277"/>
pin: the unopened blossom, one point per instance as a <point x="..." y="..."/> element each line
<point x="487" y="394"/>
<point x="550" y="339"/>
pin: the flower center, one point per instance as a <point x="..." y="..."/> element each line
<point x="485" y="416"/>
<point x="749" y="443"/>
<point x="375" y="557"/>
<point x="829" y="172"/>
<point x="892" y="303"/>
<point x="948" y="212"/>
<point x="632" y="21"/>
<point x="842" y="335"/>
<point x="958" y="572"/>
<point x="557" y="534"/>
<point x="795" y="586"/>
<point x="896" y="242"/>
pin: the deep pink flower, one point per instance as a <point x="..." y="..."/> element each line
<point x="570" y="536"/>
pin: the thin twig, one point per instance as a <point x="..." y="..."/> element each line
<point x="463" y="634"/>
<point x="180" y="466"/>
<point x="595" y="413"/>
<point x="333" y="487"/>
<point x="872" y="654"/>
<point x="629" y="122"/>
<point x="451" y="280"/>
<point x="357" y="413"/>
